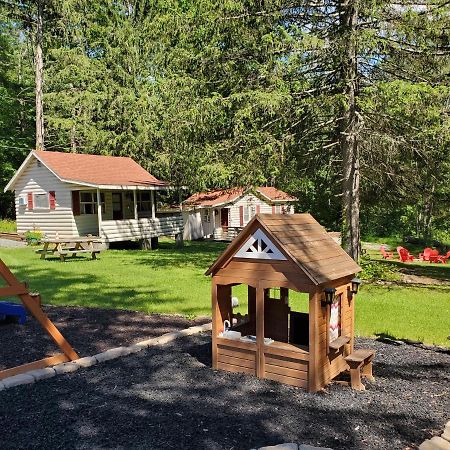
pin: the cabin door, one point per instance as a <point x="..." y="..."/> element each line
<point x="117" y="206"/>
<point x="224" y="218"/>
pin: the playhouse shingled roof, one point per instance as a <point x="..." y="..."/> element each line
<point x="219" y="197"/>
<point x="92" y="170"/>
<point x="303" y="240"/>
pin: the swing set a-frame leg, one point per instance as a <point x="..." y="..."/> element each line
<point x="14" y="287"/>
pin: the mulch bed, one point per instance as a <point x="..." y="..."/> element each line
<point x="88" y="330"/>
<point x="170" y="398"/>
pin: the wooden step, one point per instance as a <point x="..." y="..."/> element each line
<point x="360" y="355"/>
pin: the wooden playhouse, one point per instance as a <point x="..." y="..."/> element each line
<point x="273" y="255"/>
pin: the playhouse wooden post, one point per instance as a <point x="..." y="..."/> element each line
<point x="260" y="332"/>
<point x="314" y="357"/>
<point x="214" y="328"/>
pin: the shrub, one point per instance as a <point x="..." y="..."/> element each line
<point x="378" y="270"/>
<point x="33" y="237"/>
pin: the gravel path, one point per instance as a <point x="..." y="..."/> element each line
<point x="89" y="331"/>
<point x="169" y="398"/>
<point x="11" y="243"/>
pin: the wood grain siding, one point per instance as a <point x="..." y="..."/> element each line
<point x="121" y="230"/>
<point x="277" y="272"/>
<point x="39" y="180"/>
<point x="236" y="359"/>
<point x="332" y="363"/>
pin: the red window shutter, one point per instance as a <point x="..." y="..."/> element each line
<point x="76" y="203"/>
<point x="273" y="209"/>
<point x="30" y="200"/>
<point x="52" y="199"/>
<point x="258" y="209"/>
<point x="241" y="216"/>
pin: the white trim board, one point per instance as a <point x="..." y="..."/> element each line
<point x="259" y="246"/>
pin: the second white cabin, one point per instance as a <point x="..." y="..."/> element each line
<point x="221" y="214"/>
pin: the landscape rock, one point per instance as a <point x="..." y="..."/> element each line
<point x="66" y="367"/>
<point x="310" y="447"/>
<point x="17" y="380"/>
<point x="42" y="374"/>
<point x="111" y="354"/>
<point x="168" y="337"/>
<point x="287" y="446"/>
<point x="435" y="443"/>
<point x="87" y="361"/>
<point x="446" y="434"/>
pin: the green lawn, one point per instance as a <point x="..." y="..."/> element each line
<point x="168" y="280"/>
<point x="7" y="226"/>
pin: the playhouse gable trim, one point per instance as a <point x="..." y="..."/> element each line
<point x="301" y="239"/>
<point x="259" y="246"/>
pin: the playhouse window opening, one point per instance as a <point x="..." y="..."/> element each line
<point x="282" y="321"/>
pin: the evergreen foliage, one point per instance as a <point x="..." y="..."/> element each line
<point x="215" y="94"/>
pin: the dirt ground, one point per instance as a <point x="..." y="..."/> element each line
<point x="88" y="330"/>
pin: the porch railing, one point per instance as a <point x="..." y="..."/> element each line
<point x="226" y="233"/>
<point x="129" y="229"/>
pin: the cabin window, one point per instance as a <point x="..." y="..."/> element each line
<point x="41" y="201"/>
<point x="335" y="319"/>
<point x="249" y="212"/>
<point x="88" y="202"/>
<point x="207" y="216"/>
<point x="144" y="201"/>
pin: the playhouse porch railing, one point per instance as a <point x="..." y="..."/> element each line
<point x="142" y="228"/>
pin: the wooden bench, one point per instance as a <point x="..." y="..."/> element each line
<point x="74" y="251"/>
<point x="360" y="363"/>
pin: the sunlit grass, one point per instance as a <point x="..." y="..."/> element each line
<point x="169" y="280"/>
<point x="7" y="226"/>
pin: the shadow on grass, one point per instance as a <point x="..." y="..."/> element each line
<point x="199" y="254"/>
<point x="390" y="339"/>
<point x="423" y="269"/>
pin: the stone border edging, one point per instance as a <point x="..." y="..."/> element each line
<point x="42" y="374"/>
<point x="438" y="442"/>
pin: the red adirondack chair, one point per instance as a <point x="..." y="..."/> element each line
<point x="404" y="255"/>
<point x="425" y="255"/>
<point x="384" y="253"/>
<point x="443" y="258"/>
<point x="434" y="256"/>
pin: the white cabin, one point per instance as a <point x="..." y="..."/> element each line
<point x="73" y="194"/>
<point x="222" y="214"/>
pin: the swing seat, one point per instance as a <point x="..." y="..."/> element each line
<point x="8" y="309"/>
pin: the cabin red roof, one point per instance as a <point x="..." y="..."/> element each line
<point x="97" y="169"/>
<point x="223" y="196"/>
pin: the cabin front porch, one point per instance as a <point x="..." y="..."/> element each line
<point x="123" y="215"/>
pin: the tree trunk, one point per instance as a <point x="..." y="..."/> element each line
<point x="348" y="130"/>
<point x="39" y="75"/>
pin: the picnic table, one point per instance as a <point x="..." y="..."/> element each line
<point x="70" y="246"/>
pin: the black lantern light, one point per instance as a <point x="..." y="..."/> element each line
<point x="329" y="295"/>
<point x="355" y="285"/>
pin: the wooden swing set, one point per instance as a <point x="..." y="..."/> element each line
<point x="32" y="304"/>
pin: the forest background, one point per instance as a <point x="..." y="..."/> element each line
<point x="345" y="104"/>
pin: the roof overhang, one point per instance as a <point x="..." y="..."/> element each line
<point x="131" y="187"/>
<point x="272" y="200"/>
